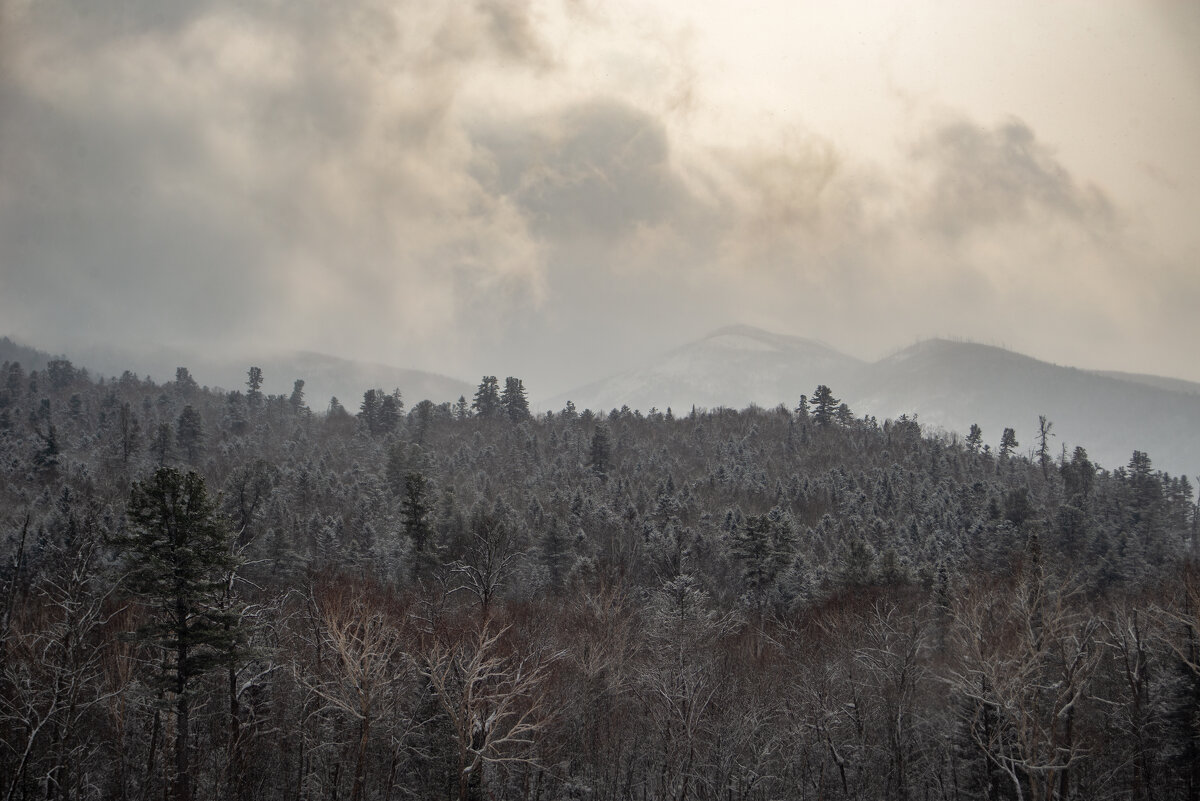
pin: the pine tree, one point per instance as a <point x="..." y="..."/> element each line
<point x="763" y="545"/>
<point x="1079" y="474"/>
<point x="184" y="383"/>
<point x="189" y="432"/>
<point x="1043" y="451"/>
<point x="380" y="411"/>
<point x="1008" y="442"/>
<point x="177" y="556"/>
<point x="390" y="409"/>
<point x="160" y="444"/>
<point x="600" y="451"/>
<point x="254" y="380"/>
<point x="514" y="401"/>
<point x="129" y="432"/>
<point x="824" y="406"/>
<point x="487" y="398"/>
<point x="462" y="410"/>
<point x="297" y="398"/>
<point x="414" y="506"/>
<point x="368" y="410"/>
<point x="974" y="438"/>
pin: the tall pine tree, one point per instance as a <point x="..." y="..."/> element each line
<point x="514" y="401"/>
<point x="177" y="555"/>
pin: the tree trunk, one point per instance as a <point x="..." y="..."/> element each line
<point x="155" y="729"/>
<point x="1064" y="779"/>
<point x="360" y="759"/>
<point x="183" y="776"/>
<point x="233" y="751"/>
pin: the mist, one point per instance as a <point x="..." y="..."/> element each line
<point x="557" y="191"/>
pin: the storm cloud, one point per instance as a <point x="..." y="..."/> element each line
<point x="453" y="186"/>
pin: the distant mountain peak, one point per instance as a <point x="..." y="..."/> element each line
<point x="939" y="349"/>
<point x="750" y="338"/>
<point x="950" y="383"/>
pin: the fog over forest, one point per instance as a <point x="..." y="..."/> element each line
<point x="558" y="189"/>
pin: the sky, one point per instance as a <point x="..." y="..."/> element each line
<point x="559" y="190"/>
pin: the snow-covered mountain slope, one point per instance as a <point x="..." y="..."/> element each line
<point x="1173" y="384"/>
<point x="951" y="385"/>
<point x="732" y="367"/>
<point x="947" y="385"/>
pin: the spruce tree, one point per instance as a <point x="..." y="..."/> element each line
<point x="1008" y="443"/>
<point x="824" y="406"/>
<point x="487" y="397"/>
<point x="600" y="451"/>
<point x="297" y="398"/>
<point x="189" y="432"/>
<point x="763" y="546"/>
<point x="514" y="401"/>
<point x="974" y="438"/>
<point x="177" y="556"/>
<point x="462" y="409"/>
<point x="414" y="506"/>
<point x="254" y="381"/>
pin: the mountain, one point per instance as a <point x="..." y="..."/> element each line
<point x="324" y="376"/>
<point x="947" y="385"/>
<point x="951" y="385"/>
<point x="1174" y="384"/>
<point x="731" y="367"/>
<point x="29" y="358"/>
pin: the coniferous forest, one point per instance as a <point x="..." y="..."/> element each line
<point x="231" y="595"/>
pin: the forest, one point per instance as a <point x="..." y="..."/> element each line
<point x="214" y="594"/>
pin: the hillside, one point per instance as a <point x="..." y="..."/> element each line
<point x="954" y="384"/>
<point x="946" y="384"/>
<point x="324" y="376"/>
<point x="754" y="580"/>
<point x="731" y="367"/>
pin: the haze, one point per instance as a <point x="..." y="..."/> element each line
<point x="556" y="190"/>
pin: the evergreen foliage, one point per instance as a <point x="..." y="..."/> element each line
<point x="824" y="406"/>
<point x="755" y="604"/>
<point x="487" y="403"/>
<point x="177" y="556"/>
<point x="514" y="400"/>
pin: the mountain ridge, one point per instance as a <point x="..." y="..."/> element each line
<point x="325" y="375"/>
<point x="947" y="384"/>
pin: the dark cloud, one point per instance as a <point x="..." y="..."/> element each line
<point x="89" y="24"/>
<point x="223" y="171"/>
<point x="106" y="227"/>
<point x="336" y="176"/>
<point x="984" y="177"/>
<point x="596" y="170"/>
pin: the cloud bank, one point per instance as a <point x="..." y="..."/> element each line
<point x="451" y="186"/>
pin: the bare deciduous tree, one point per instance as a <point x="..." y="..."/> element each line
<point x="359" y="669"/>
<point x="494" y="701"/>
<point x="1026" y="656"/>
<point x="52" y="670"/>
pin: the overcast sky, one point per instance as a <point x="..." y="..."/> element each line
<point x="558" y="189"/>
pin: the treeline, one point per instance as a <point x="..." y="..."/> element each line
<point x="219" y="595"/>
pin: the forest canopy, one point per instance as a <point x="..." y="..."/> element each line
<point x="227" y="595"/>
